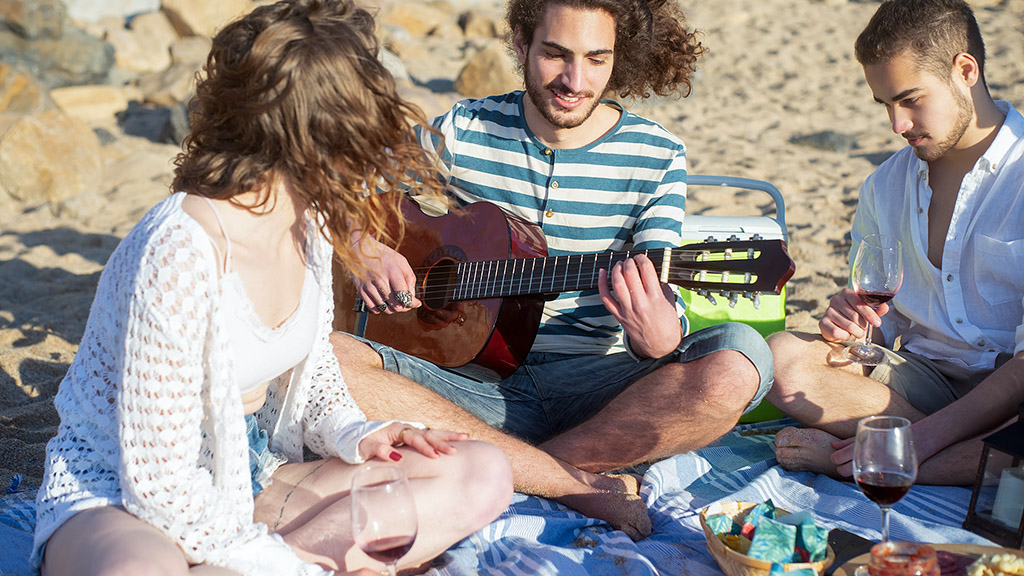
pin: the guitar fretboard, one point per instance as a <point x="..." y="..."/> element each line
<point x="549" y="275"/>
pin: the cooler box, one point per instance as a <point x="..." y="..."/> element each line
<point x="769" y="315"/>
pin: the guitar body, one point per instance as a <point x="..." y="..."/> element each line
<point x="487" y="338"/>
<point x="483" y="277"/>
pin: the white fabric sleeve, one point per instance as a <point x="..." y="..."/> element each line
<point x="161" y="408"/>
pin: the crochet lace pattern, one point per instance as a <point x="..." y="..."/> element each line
<point x="151" y="417"/>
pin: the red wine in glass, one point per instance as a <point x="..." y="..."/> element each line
<point x="884" y="488"/>
<point x="884" y="462"/>
<point x="384" y="519"/>
<point x="876" y="275"/>
<point x="875" y="298"/>
<point x="389" y="549"/>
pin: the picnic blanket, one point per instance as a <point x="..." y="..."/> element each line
<point x="539" y="537"/>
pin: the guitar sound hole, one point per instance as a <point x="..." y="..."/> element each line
<point x="439" y="284"/>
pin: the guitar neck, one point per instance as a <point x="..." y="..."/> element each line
<point x="548" y="275"/>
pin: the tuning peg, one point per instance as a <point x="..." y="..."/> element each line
<point x="707" y="295"/>
<point x="733" y="299"/>
<point x="754" y="297"/>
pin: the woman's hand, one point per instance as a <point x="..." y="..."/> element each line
<point x="847" y="317"/>
<point x="430" y="443"/>
<point x="390" y="285"/>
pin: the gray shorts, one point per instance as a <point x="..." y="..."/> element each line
<point x="929" y="385"/>
<point x="551" y="393"/>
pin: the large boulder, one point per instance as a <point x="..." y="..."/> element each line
<point x="204" y="17"/>
<point x="21" y="93"/>
<point x="48" y="157"/>
<point x="145" y="46"/>
<point x="33" y="19"/>
<point x="490" y="71"/>
<point x="74" y="58"/>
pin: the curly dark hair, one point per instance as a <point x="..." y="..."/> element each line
<point x="654" y="51"/>
<point x="294" y="90"/>
<point x="932" y="32"/>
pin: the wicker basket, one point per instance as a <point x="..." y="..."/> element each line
<point x="735" y="564"/>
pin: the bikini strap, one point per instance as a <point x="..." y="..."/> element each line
<point x="223" y="230"/>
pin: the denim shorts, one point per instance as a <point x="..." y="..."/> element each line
<point x="551" y="393"/>
<point x="262" y="462"/>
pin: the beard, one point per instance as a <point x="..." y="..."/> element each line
<point x="541" y="98"/>
<point x="965" y="112"/>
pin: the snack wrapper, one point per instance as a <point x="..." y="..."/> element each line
<point x="721" y="524"/>
<point x="765" y="509"/>
<point x="773" y="541"/>
<point x="811" y="543"/>
<point x="780" y="570"/>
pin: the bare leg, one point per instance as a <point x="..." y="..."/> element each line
<point x="308" y="504"/>
<point x="820" y="389"/>
<point x="110" y="540"/>
<point x="383" y="395"/>
<point x="678" y="408"/>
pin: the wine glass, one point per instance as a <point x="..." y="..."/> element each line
<point x="383" y="513"/>
<point x="876" y="275"/>
<point x="884" y="462"/>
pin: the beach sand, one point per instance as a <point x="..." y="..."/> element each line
<point x="779" y="98"/>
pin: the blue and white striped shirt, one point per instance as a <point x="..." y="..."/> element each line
<point x="626" y="190"/>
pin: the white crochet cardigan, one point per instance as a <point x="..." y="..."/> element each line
<point x="151" y="415"/>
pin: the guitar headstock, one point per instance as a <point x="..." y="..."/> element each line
<point x="732" y="268"/>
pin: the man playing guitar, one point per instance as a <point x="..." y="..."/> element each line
<point x="613" y="378"/>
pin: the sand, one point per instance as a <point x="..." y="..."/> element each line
<point x="779" y="98"/>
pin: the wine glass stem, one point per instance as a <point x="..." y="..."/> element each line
<point x="867" y="337"/>
<point x="885" y="524"/>
<point x="391" y="568"/>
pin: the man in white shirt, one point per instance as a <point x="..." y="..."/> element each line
<point x="954" y="198"/>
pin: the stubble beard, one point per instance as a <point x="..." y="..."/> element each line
<point x="965" y="112"/>
<point x="539" y="95"/>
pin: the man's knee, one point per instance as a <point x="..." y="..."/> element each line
<point x="352" y="352"/>
<point x="793" y="353"/>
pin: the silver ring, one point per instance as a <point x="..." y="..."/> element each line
<point x="382" y="307"/>
<point x="404" y="298"/>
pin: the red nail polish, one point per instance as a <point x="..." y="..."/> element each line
<point x="396" y="456"/>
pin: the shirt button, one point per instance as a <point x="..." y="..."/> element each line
<point x="548" y="152"/>
<point x="549" y="213"/>
<point x="981" y="343"/>
<point x="554" y="184"/>
<point x="920" y="210"/>
<point x="949" y="278"/>
<point x="959" y="320"/>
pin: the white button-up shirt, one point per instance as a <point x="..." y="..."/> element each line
<point x="972" y="308"/>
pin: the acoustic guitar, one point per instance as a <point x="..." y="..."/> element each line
<point x="483" y="277"/>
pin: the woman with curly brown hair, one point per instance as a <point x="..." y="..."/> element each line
<point x="614" y="377"/>
<point x="205" y="370"/>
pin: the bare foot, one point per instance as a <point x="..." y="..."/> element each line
<point x="805" y="450"/>
<point x="625" y="483"/>
<point x="626" y="512"/>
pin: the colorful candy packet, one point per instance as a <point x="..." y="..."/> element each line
<point x="773" y="541"/>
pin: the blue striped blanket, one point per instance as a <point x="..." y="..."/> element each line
<point x="539" y="537"/>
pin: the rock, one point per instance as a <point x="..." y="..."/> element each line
<point x="76" y="58"/>
<point x="476" y="23"/>
<point x="417" y="18"/>
<point x="826" y="140"/>
<point x="33" y="19"/>
<point x="489" y="71"/>
<point x="170" y="86"/>
<point x="96" y="10"/>
<point x="95" y="104"/>
<point x="162" y="124"/>
<point x="49" y="157"/>
<point x="146" y="45"/>
<point x="394" y="65"/>
<point x="431" y="103"/>
<point x="203" y="17"/>
<point x="21" y="93"/>
<point x="191" y="50"/>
